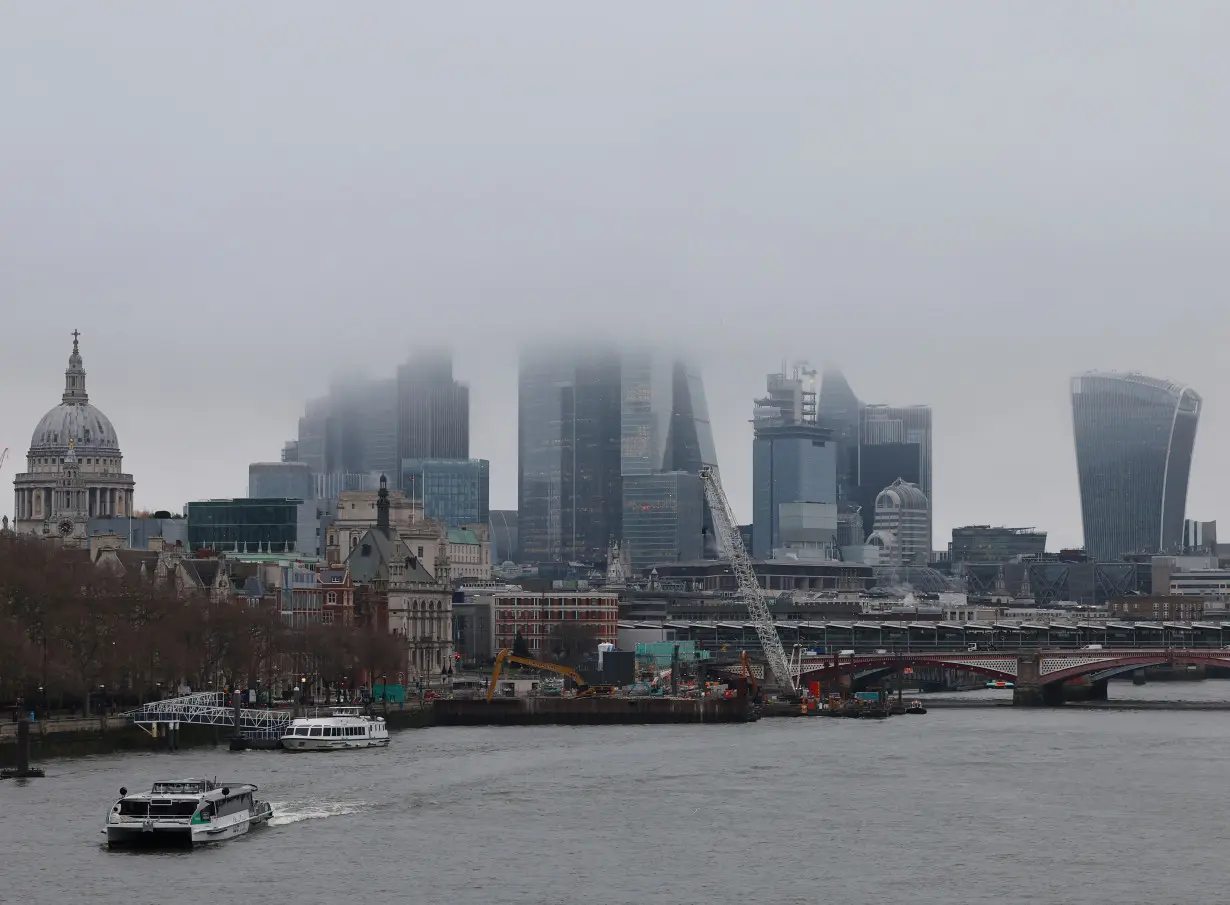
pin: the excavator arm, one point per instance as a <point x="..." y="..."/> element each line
<point x="508" y="656"/>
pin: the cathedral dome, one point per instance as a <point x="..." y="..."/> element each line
<point x="86" y="426"/>
<point x="74" y="419"/>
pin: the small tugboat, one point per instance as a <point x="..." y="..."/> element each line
<point x="1000" y="683"/>
<point x="185" y="813"/>
<point x="346" y="728"/>
<point x="915" y="708"/>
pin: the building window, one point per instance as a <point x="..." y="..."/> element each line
<point x="332" y="597"/>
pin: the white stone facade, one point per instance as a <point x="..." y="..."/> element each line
<point x="74" y="469"/>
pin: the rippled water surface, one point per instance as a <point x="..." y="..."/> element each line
<point x="958" y="806"/>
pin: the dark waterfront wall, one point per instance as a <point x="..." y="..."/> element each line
<point x="590" y="711"/>
<point x="118" y="736"/>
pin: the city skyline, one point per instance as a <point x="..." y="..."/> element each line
<point x="741" y="483"/>
<point x="871" y="192"/>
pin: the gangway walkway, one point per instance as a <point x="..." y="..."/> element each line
<point x="209" y="708"/>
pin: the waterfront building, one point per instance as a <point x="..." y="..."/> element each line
<point x="248" y="525"/>
<point x="662" y="518"/>
<point x="419" y="604"/>
<point x="536" y="616"/>
<point x="453" y="491"/>
<point x="1159" y="608"/>
<point x="1134" y="437"/>
<point x="894" y="444"/>
<point x="902" y="525"/>
<point x="74" y="467"/>
<point x="774" y="575"/>
<point x="285" y="480"/>
<point x="985" y="544"/>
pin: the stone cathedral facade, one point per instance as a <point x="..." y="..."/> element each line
<point x="74" y="470"/>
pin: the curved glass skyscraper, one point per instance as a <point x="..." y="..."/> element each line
<point x="1134" y="440"/>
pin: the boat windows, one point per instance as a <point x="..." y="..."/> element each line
<point x="316" y="730"/>
<point x="172" y="808"/>
<point x="138" y="808"/>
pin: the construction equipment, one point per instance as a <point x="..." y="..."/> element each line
<point x="753" y="687"/>
<point x="584" y="689"/>
<point x="727" y="531"/>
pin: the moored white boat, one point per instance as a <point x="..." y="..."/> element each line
<point x="346" y="727"/>
<point x="185" y="812"/>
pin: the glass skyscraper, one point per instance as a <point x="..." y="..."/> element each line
<point x="590" y="418"/>
<point x="1134" y="440"/>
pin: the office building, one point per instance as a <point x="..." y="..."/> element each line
<point x="794" y="472"/>
<point x="587" y="418"/>
<point x="433" y="409"/>
<point x="253" y="526"/>
<point x="363" y="428"/>
<point x="1134" y="437"/>
<point x="662" y="518"/>
<point x="454" y="491"/>
<point x="902" y="525"/>
<point x="985" y="544"/>
<point x="283" y="480"/>
<point x="894" y="444"/>
<point x="838" y="410"/>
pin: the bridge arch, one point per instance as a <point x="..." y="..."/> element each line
<point x="1105" y="667"/>
<point x="1004" y="670"/>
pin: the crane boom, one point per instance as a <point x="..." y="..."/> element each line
<point x="727" y="531"/>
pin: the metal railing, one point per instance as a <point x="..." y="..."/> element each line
<point x="208" y="708"/>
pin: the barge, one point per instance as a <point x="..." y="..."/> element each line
<point x="593" y="711"/>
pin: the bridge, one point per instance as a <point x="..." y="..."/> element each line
<point x="209" y="708"/>
<point x="1037" y="675"/>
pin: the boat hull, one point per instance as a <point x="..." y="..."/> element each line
<point x="163" y="835"/>
<point x="300" y="743"/>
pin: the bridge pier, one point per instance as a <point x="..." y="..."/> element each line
<point x="1097" y="690"/>
<point x="1029" y="689"/>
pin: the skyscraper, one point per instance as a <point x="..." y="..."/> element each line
<point x="1134" y="439"/>
<point x="592" y="421"/>
<point x="794" y="470"/>
<point x="894" y="442"/>
<point x="433" y="409"/>
<point x="838" y="410"/>
<point x="365" y="428"/>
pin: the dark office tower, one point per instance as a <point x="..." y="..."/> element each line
<point x="837" y="410"/>
<point x="378" y="413"/>
<point x="894" y="442"/>
<point x="433" y="409"/>
<point x="569" y="443"/>
<point x="1134" y="439"/>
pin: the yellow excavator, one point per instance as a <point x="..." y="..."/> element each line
<point x="584" y="689"/>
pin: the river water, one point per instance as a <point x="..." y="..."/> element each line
<point x="959" y="806"/>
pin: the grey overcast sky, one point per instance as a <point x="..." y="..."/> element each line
<point x="961" y="203"/>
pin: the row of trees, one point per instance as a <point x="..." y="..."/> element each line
<point x="71" y="631"/>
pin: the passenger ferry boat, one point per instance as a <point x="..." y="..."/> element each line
<point x="347" y="727"/>
<point x="185" y="812"/>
